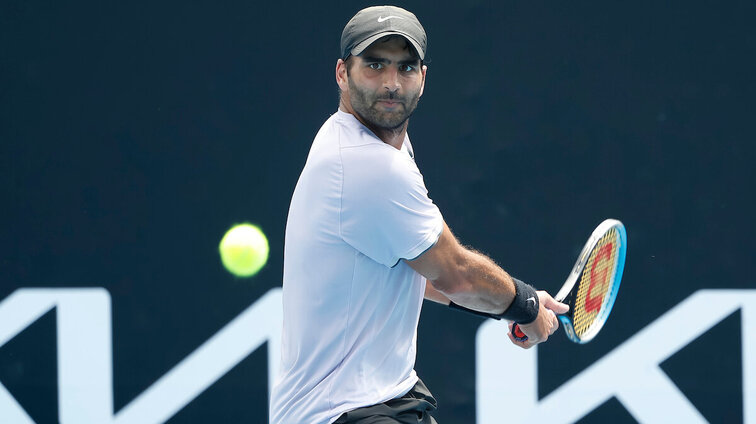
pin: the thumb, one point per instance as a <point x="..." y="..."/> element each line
<point x="557" y="307"/>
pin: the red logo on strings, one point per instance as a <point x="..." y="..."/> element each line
<point x="594" y="303"/>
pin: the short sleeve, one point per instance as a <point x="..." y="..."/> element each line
<point x="386" y="213"/>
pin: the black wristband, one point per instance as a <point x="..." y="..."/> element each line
<point x="523" y="310"/>
<point x="525" y="305"/>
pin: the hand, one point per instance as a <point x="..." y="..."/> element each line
<point x="545" y="324"/>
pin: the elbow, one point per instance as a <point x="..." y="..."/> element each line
<point x="445" y="286"/>
<point x="447" y="266"/>
<point x="455" y="281"/>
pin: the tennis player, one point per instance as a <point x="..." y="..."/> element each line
<point x="363" y="239"/>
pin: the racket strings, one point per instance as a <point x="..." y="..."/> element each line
<point x="595" y="282"/>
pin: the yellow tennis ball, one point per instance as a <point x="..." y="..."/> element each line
<point x="244" y="250"/>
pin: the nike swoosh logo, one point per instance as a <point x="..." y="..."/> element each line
<point x="381" y="18"/>
<point x="531" y="299"/>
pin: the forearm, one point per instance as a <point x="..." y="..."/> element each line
<point x="464" y="276"/>
<point x="474" y="282"/>
<point x="434" y="295"/>
<point x="477" y="283"/>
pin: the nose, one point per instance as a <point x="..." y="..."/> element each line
<point x="391" y="79"/>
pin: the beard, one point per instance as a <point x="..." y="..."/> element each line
<point x="365" y="103"/>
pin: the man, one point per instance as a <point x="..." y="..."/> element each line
<point x="362" y="239"/>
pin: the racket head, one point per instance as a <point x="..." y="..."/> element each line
<point x="592" y="286"/>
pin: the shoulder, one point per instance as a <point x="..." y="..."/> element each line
<point x="365" y="154"/>
<point x="366" y="165"/>
<point x="380" y="164"/>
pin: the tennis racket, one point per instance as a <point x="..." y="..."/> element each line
<point x="591" y="288"/>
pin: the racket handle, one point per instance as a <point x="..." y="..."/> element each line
<point x="518" y="334"/>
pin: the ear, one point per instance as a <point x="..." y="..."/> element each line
<point x="422" y="86"/>
<point x="341" y="75"/>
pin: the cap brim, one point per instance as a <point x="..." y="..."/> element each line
<point x="359" y="48"/>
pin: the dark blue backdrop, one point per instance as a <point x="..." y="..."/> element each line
<point x="132" y="135"/>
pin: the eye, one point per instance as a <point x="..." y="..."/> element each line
<point x="375" y="66"/>
<point x="406" y="68"/>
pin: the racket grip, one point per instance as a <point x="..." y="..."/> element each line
<point x="518" y="334"/>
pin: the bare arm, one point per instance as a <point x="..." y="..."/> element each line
<point x="465" y="277"/>
<point x="432" y="294"/>
<point x="470" y="279"/>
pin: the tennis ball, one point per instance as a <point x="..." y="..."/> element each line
<point x="244" y="250"/>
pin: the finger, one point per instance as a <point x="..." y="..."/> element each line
<point x="538" y="341"/>
<point x="553" y="305"/>
<point x="554" y="323"/>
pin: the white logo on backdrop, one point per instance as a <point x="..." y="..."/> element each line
<point x="85" y="359"/>
<point x="630" y="372"/>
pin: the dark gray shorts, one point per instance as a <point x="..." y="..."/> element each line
<point x="412" y="408"/>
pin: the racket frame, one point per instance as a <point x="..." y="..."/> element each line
<point x="577" y="270"/>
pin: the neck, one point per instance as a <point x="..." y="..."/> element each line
<point x="393" y="137"/>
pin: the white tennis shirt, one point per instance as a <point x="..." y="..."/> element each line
<point x="351" y="306"/>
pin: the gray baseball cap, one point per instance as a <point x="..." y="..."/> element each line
<point x="372" y="23"/>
